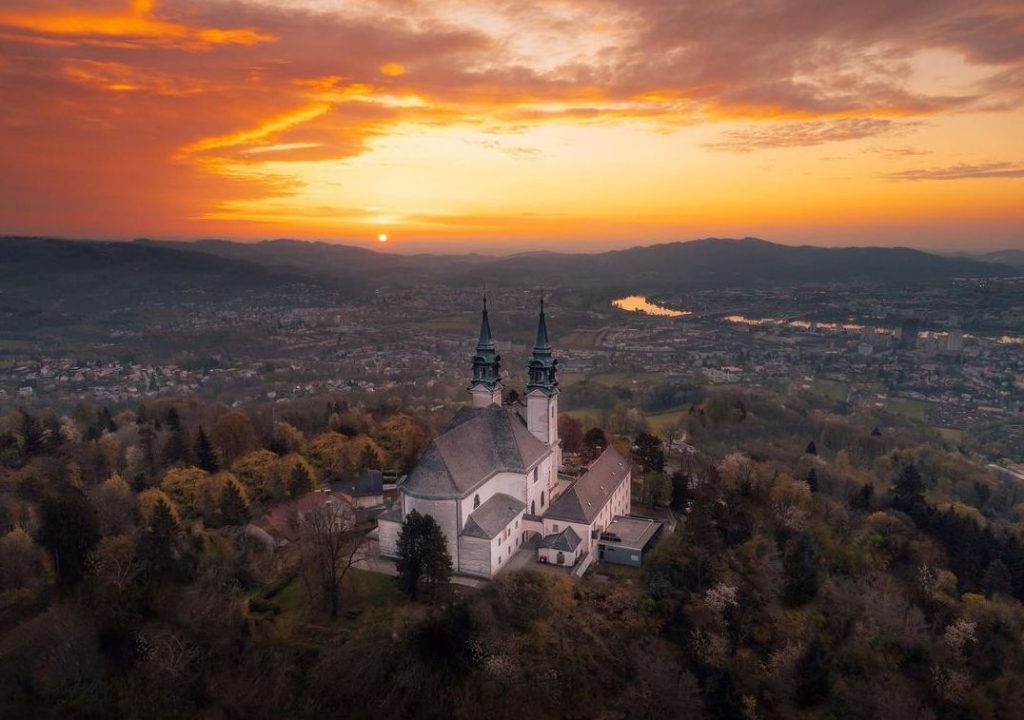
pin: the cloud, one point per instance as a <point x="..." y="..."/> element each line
<point x="817" y="132"/>
<point x="963" y="172"/>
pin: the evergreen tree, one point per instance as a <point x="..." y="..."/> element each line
<point x="422" y="555"/>
<point x="812" y="449"/>
<point x="233" y="508"/>
<point x="908" y="491"/>
<point x="158" y="542"/>
<point x="812" y="480"/>
<point x="594" y="441"/>
<point x="33" y="437"/>
<point x="814" y="675"/>
<point x="862" y="500"/>
<point x="300" y="481"/>
<point x="206" y="456"/>
<point x="70" y="529"/>
<point x="997" y="580"/>
<point x="800" y="562"/>
<point x="647" y="453"/>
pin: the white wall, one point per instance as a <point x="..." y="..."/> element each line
<point x="505" y="546"/>
<point x="387" y="537"/>
<point x="508" y="483"/>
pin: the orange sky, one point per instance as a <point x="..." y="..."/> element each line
<point x="515" y="124"/>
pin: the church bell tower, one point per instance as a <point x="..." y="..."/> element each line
<point x="542" y="387"/>
<point x="485" y="387"/>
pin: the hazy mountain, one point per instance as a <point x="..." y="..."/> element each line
<point x="1014" y="258"/>
<point x="720" y="262"/>
<point x="68" y="278"/>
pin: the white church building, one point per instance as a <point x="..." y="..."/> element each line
<point x="491" y="482"/>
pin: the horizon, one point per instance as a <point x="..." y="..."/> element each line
<point x="567" y="126"/>
<point x="497" y="250"/>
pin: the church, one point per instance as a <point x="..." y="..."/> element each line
<point x="491" y="479"/>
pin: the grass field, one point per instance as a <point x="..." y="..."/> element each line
<point x="661" y="424"/>
<point x="579" y="340"/>
<point x="914" y="409"/>
<point x="590" y="417"/>
<point x="831" y="389"/>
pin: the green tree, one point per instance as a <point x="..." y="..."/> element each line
<point x="234" y="510"/>
<point x="908" y="491"/>
<point x="813" y="675"/>
<point x="997" y="579"/>
<point x="647" y="453"/>
<point x="594" y="441"/>
<point x="206" y="456"/>
<point x="422" y="554"/>
<point x="158" y="540"/>
<point x="300" y="482"/>
<point x="69" y="529"/>
<point x="800" y="562"/>
<point x="812" y="480"/>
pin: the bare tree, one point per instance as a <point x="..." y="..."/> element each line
<point x="330" y="543"/>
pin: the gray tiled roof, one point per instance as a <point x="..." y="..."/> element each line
<point x="584" y="499"/>
<point x="493" y="516"/>
<point x="478" y="443"/>
<point x="566" y="540"/>
<point x="369" y="482"/>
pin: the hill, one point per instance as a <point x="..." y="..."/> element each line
<point x="710" y="262"/>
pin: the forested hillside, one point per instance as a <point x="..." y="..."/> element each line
<point x="825" y="565"/>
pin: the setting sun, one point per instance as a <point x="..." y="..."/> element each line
<point x="382" y="238"/>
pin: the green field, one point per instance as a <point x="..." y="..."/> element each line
<point x="662" y="424"/>
<point x="914" y="409"/>
<point x="590" y="417"/>
<point x="831" y="389"/>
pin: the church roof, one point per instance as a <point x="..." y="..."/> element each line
<point x="478" y="443"/>
<point x="582" y="502"/>
<point x="566" y="540"/>
<point x="493" y="516"/>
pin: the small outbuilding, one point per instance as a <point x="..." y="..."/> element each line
<point x="560" y="549"/>
<point x="626" y="539"/>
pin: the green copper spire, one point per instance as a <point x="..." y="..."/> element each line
<point x="486" y="361"/>
<point x="542" y="367"/>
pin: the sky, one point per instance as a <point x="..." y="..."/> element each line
<point x="501" y="125"/>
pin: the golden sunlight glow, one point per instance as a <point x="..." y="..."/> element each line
<point x="557" y="125"/>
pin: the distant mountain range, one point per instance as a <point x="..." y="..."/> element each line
<point x="64" y="271"/>
<point x="1014" y="258"/>
<point x="699" y="264"/>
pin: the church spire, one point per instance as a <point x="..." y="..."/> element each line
<point x="486" y="383"/>
<point x="542" y="366"/>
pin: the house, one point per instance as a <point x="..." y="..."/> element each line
<point x="626" y="539"/>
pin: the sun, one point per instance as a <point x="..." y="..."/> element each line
<point x="382" y="238"/>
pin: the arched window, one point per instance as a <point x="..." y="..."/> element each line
<point x="542" y="498"/>
<point x="561" y="558"/>
<point x="476" y="502"/>
<point x="533" y="507"/>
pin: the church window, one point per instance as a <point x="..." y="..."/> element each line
<point x="542" y="498"/>
<point x="533" y="507"/>
<point x="476" y="502"/>
<point x="561" y="558"/>
<point x="535" y="476"/>
<point x="554" y="528"/>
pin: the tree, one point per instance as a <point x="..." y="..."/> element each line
<point x="812" y="449"/>
<point x="234" y="510"/>
<point x="812" y="480"/>
<point x="997" y="579"/>
<point x="422" y="554"/>
<point x="814" y="675"/>
<point x="330" y="543"/>
<point x="70" y="530"/>
<point x="862" y="500"/>
<point x="234" y="434"/>
<point x="908" y="491"/>
<point x="300" y="481"/>
<point x="32" y="436"/>
<point x="800" y="562"/>
<point x="570" y="430"/>
<point x="159" y="539"/>
<point x="647" y="452"/>
<point x="680" y="490"/>
<point x="594" y="441"/>
<point x="206" y="456"/>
